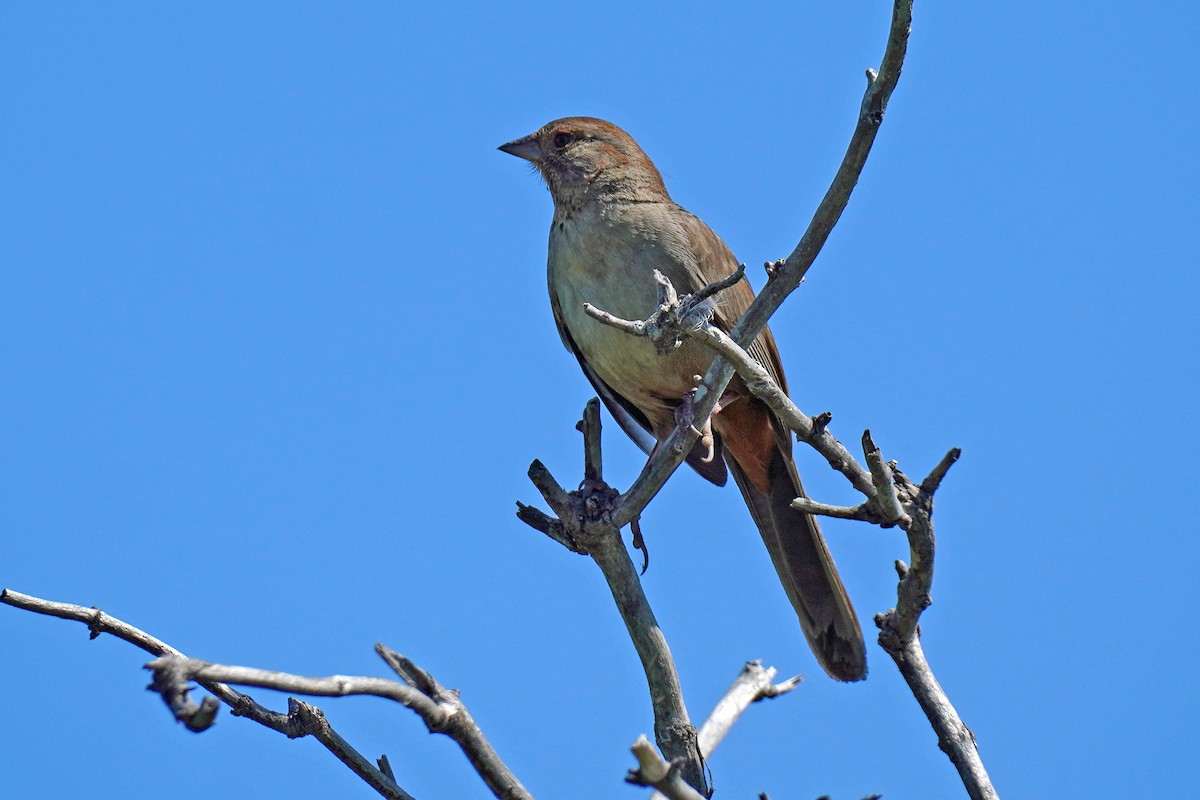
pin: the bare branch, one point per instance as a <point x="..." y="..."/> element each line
<point x="174" y="690"/>
<point x="442" y="710"/>
<point x="409" y="672"/>
<point x="900" y="635"/>
<point x="885" y="490"/>
<point x="861" y="512"/>
<point x="719" y="286"/>
<point x="673" y="729"/>
<point x="810" y="430"/>
<point x="654" y="771"/>
<point x="310" y="721"/>
<point x="552" y="492"/>
<point x="593" y="457"/>
<point x="870" y="116"/>
<point x="585" y="517"/>
<point x="917" y="580"/>
<point x="193" y="669"/>
<point x="934" y="479"/>
<point x="954" y="737"/>
<point x="752" y="684"/>
<point x="460" y="726"/>
<point x="632" y="327"/>
<point x="294" y="724"/>
<point x="541" y="521"/>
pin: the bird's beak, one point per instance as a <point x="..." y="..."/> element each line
<point x="526" y="147"/>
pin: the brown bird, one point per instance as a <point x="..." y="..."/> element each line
<point x="614" y="224"/>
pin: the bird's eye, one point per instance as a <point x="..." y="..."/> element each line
<point x="562" y="139"/>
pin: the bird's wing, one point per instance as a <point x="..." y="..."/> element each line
<point x="714" y="261"/>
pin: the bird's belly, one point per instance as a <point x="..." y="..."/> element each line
<point x="620" y="281"/>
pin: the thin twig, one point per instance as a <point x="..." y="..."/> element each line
<point x="811" y="430"/>
<point x="632" y="327"/>
<point x="885" y="489"/>
<point x="311" y="720"/>
<point x="934" y="479"/>
<point x="863" y="512"/>
<point x="552" y="492"/>
<point x="716" y="287"/>
<point x="441" y="710"/>
<point x="294" y="724"/>
<point x="753" y="683"/>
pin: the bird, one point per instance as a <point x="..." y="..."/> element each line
<point x="614" y="224"/>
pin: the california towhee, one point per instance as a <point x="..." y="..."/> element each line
<point x="614" y="224"/>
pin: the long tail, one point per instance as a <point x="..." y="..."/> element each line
<point x="766" y="474"/>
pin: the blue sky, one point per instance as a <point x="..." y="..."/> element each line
<point x="277" y="353"/>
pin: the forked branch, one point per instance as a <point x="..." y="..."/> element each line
<point x="584" y="524"/>
<point x="441" y="709"/>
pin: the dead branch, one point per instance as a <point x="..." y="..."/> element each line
<point x="664" y="776"/>
<point x="900" y="634"/>
<point x="892" y="500"/>
<point x="584" y="519"/>
<point x="441" y="709"/>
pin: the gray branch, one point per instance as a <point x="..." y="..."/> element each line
<point x="442" y="710"/>
<point x="754" y="683"/>
<point x="301" y="719"/>
<point x="809" y="430"/>
<point x="585" y="525"/>
<point x="891" y="500"/>
<point x="900" y="635"/>
<point x="664" y="776"/>
<point x="886" y="498"/>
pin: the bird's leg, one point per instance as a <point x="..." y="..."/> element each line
<point x="685" y="414"/>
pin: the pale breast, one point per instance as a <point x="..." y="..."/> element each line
<point x="606" y="256"/>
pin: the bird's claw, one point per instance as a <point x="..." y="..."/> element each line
<point x="685" y="415"/>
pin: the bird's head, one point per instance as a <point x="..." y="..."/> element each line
<point x="582" y="157"/>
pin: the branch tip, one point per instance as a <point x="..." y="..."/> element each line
<point x="783" y="687"/>
<point x="934" y="480"/>
<point x="589" y="426"/>
<point x="721" y="285"/>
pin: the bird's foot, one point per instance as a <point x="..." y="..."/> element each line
<point x="685" y="415"/>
